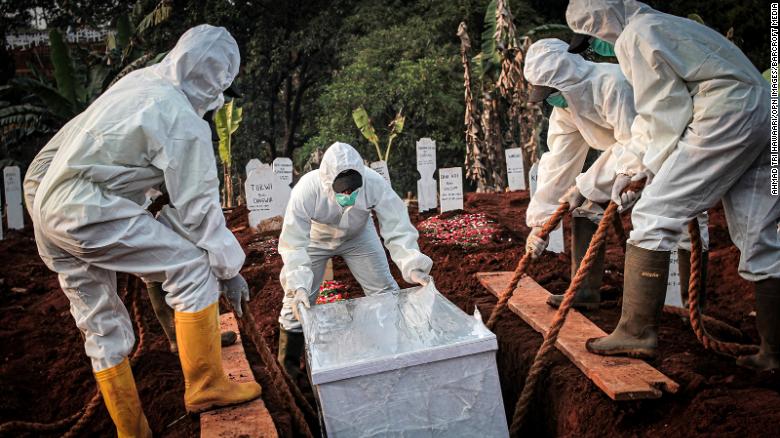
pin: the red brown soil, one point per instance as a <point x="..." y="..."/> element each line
<point x="46" y="376"/>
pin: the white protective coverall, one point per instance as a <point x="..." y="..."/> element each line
<point x="144" y="132"/>
<point x="703" y="126"/>
<point x="317" y="228"/>
<point x="599" y="115"/>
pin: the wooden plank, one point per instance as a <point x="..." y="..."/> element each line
<point x="249" y="420"/>
<point x="621" y="378"/>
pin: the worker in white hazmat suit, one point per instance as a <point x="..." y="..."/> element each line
<point x="90" y="223"/>
<point x="164" y="313"/>
<point x="329" y="214"/>
<point x="703" y="126"/>
<point x="593" y="107"/>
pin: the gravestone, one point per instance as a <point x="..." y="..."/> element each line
<point x="673" y="297"/>
<point x="283" y="167"/>
<point x="13" y="197"/>
<point x="556" y="237"/>
<point x="253" y="164"/>
<point x="266" y="196"/>
<point x="515" y="170"/>
<point x="426" y="165"/>
<point x="451" y="188"/>
<point x="380" y="167"/>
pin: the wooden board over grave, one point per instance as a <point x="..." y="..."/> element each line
<point x="251" y="419"/>
<point x="621" y="378"/>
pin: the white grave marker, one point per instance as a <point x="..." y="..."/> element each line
<point x="380" y="167"/>
<point x="13" y="197"/>
<point x="515" y="170"/>
<point x="283" y="167"/>
<point x="426" y="165"/>
<point x="451" y="188"/>
<point x="266" y="194"/>
<point x="673" y="296"/>
<point x="556" y="237"/>
<point x="253" y="164"/>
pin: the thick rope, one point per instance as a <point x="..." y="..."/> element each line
<point x="694" y="285"/>
<point x="522" y="265"/>
<point x="537" y="368"/>
<point x="282" y="388"/>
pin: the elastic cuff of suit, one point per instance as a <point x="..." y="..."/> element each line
<point x="110" y="373"/>
<point x="196" y="316"/>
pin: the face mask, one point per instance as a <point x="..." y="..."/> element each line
<point x="602" y="47"/>
<point x="346" y="200"/>
<point x="556" y="99"/>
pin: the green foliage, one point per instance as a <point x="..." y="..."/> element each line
<point x="64" y="74"/>
<point x="227" y="119"/>
<point x="363" y="122"/>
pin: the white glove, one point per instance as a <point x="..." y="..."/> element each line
<point x="236" y="290"/>
<point x="301" y="297"/>
<point x="573" y="197"/>
<point x="535" y="244"/>
<point x="625" y="200"/>
<point x="420" y="277"/>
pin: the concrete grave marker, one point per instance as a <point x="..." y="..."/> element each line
<point x="380" y="167"/>
<point x="673" y="297"/>
<point x="266" y="194"/>
<point x="556" y="237"/>
<point x="451" y="186"/>
<point x="13" y="197"/>
<point x="426" y="165"/>
<point x="283" y="167"/>
<point x="515" y="169"/>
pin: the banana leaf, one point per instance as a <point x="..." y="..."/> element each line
<point x="226" y="120"/>
<point x="364" y="125"/>
<point x="396" y="128"/>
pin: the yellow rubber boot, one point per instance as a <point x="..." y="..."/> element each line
<point x="205" y="384"/>
<point x="121" y="399"/>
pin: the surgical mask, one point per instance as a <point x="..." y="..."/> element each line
<point x="346" y="200"/>
<point x="557" y="99"/>
<point x="602" y="47"/>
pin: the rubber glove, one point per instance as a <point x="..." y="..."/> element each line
<point x="573" y="197"/>
<point x="301" y="297"/>
<point x="236" y="290"/>
<point x="534" y="244"/>
<point x="625" y="200"/>
<point x="420" y="277"/>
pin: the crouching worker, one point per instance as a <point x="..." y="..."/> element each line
<point x="329" y="214"/>
<point x="89" y="220"/>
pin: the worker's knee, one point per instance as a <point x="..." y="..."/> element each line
<point x="192" y="286"/>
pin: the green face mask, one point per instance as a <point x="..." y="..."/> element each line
<point x="556" y="99"/>
<point x="346" y="200"/>
<point x="602" y="47"/>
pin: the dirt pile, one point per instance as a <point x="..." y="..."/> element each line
<point x="46" y="376"/>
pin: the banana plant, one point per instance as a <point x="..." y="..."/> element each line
<point x="363" y="122"/>
<point x="226" y="120"/>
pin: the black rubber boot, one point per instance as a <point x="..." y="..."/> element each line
<point x="768" y="323"/>
<point x="164" y="314"/>
<point x="684" y="266"/>
<point x="589" y="295"/>
<point x="291" y="346"/>
<point x="645" y="279"/>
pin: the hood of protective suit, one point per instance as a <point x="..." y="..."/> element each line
<point x="603" y="19"/>
<point x="338" y="158"/>
<point x="202" y="65"/>
<point x="550" y="64"/>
